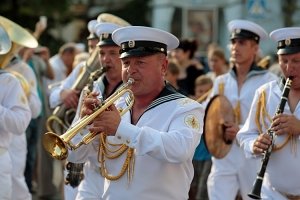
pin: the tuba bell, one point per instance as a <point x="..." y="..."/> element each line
<point x="57" y="146"/>
<point x="19" y="38"/>
<point x="5" y="44"/>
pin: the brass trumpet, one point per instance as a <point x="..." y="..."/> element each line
<point x="57" y="146"/>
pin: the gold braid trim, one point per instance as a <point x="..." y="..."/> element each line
<point x="262" y="115"/>
<point x="221" y="88"/>
<point x="105" y="153"/>
<point x="237" y="112"/>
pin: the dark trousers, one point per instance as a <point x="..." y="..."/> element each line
<point x="32" y="136"/>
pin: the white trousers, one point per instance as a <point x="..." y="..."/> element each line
<point x="69" y="192"/>
<point x="17" y="151"/>
<point x="91" y="187"/>
<point x="231" y="174"/>
<point x="5" y="176"/>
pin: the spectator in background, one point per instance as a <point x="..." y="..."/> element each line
<point x="172" y="76"/>
<point x="217" y="62"/>
<point x="190" y="68"/>
<point x="202" y="158"/>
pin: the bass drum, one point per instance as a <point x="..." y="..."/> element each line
<point x="218" y="112"/>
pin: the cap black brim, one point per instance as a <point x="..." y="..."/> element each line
<point x="136" y="54"/>
<point x="288" y="50"/>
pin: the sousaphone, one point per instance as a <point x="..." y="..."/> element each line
<point x="218" y="113"/>
<point x="5" y="43"/>
<point x="19" y="37"/>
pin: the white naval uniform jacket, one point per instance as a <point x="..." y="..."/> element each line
<point x="234" y="164"/>
<point x="283" y="168"/>
<point x="15" y="114"/>
<point x="54" y="99"/>
<point x="25" y="70"/>
<point x="164" y="140"/>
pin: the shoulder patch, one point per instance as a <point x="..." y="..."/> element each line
<point x="192" y="122"/>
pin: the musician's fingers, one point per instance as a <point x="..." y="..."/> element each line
<point x="97" y="129"/>
<point x="259" y="147"/>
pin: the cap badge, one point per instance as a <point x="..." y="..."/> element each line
<point x="287" y="42"/>
<point x="131" y="43"/>
<point x="105" y="35"/>
<point x="237" y="31"/>
<point x="162" y="49"/>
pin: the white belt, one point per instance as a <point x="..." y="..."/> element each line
<point x="2" y="150"/>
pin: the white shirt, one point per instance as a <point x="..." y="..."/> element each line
<point x="283" y="167"/>
<point x="25" y="70"/>
<point x="15" y="113"/>
<point x="54" y="98"/>
<point x="164" y="140"/>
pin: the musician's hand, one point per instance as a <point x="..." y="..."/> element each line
<point x="261" y="144"/>
<point x="70" y="97"/>
<point x="107" y="122"/>
<point x="231" y="130"/>
<point x="286" y="124"/>
<point x="90" y="102"/>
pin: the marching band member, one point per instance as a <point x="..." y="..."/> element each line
<point x="107" y="83"/>
<point x="18" y="147"/>
<point x="154" y="142"/>
<point x="232" y="173"/>
<point x="64" y="93"/>
<point x="282" y="179"/>
<point x="14" y="118"/>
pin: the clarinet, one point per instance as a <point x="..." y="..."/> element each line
<point x="256" y="190"/>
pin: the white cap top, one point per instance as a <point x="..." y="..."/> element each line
<point x="105" y="28"/>
<point x="141" y="40"/>
<point x="246" y="29"/>
<point x="91" y="26"/>
<point x="288" y="40"/>
<point x="285" y="33"/>
<point x="104" y="32"/>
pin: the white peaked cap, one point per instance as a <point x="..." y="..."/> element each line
<point x="141" y="40"/>
<point x="105" y="28"/>
<point x="104" y="32"/>
<point x="246" y="29"/>
<point x="91" y="26"/>
<point x="288" y="40"/>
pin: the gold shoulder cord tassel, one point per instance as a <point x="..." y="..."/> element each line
<point x="262" y="115"/>
<point x="105" y="152"/>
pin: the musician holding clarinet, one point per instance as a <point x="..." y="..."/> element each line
<point x="271" y="132"/>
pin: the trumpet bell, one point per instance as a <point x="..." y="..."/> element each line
<point x="18" y="34"/>
<point x="55" y="146"/>
<point x="5" y="44"/>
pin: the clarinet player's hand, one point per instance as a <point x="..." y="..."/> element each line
<point x="261" y="144"/>
<point x="286" y="124"/>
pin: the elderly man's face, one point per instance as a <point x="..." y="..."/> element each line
<point x="290" y="66"/>
<point x="147" y="71"/>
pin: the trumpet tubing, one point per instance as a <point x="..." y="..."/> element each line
<point x="57" y="146"/>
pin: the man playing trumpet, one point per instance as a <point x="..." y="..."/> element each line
<point x="147" y="153"/>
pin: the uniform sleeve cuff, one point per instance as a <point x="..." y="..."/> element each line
<point x="127" y="133"/>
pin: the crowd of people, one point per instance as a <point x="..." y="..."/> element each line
<point x="157" y="149"/>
